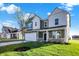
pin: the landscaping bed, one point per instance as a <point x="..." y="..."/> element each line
<point x="20" y="49"/>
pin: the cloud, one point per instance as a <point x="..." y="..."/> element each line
<point x="68" y="6"/>
<point x="9" y="23"/>
<point x="1" y="4"/>
<point x="48" y="13"/>
<point x="74" y="32"/>
<point x="3" y="9"/>
<point x="11" y="9"/>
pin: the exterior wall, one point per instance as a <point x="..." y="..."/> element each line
<point x="36" y="19"/>
<point x="4" y="35"/>
<point x="62" y="19"/>
<point x="19" y="34"/>
<point x="68" y="25"/>
<point x="8" y="35"/>
<point x="11" y="35"/>
<point x="67" y="29"/>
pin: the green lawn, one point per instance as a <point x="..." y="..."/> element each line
<point x="43" y="49"/>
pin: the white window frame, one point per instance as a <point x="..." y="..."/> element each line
<point x="35" y="23"/>
<point x="45" y="23"/>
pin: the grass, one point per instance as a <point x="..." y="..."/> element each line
<point x="43" y="49"/>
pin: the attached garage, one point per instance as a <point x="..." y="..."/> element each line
<point x="30" y="37"/>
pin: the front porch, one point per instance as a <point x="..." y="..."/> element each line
<point x="52" y="35"/>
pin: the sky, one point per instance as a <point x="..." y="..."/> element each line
<point x="8" y="11"/>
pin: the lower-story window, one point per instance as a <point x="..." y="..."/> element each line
<point x="56" y="34"/>
<point x="62" y="33"/>
<point x="50" y="34"/>
<point x="40" y="34"/>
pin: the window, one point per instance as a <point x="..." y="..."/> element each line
<point x="35" y="23"/>
<point x="50" y="34"/>
<point x="54" y="34"/>
<point x="29" y="26"/>
<point x="62" y="33"/>
<point x="58" y="34"/>
<point x="45" y="24"/>
<point x="40" y="34"/>
<point x="56" y="21"/>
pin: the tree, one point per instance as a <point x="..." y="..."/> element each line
<point x="23" y="20"/>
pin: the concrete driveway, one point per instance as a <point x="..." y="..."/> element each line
<point x="10" y="43"/>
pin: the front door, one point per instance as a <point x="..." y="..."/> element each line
<point x="44" y="37"/>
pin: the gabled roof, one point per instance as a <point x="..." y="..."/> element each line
<point x="32" y="15"/>
<point x="58" y="10"/>
<point x="9" y="29"/>
<point x="55" y="11"/>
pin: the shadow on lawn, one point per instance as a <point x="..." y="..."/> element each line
<point x="30" y="45"/>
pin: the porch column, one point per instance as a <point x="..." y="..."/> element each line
<point x="37" y="36"/>
<point x="47" y="36"/>
<point x="66" y="36"/>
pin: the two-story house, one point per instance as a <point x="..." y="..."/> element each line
<point x="55" y="29"/>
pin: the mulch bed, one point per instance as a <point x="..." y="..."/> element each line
<point x="22" y="49"/>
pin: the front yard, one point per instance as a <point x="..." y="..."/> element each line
<point x="42" y="49"/>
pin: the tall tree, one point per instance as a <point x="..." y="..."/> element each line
<point x="23" y="20"/>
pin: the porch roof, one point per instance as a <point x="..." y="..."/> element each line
<point x="46" y="29"/>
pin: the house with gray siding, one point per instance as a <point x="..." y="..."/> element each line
<point x="11" y="33"/>
<point x="55" y="29"/>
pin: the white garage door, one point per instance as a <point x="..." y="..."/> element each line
<point x="30" y="36"/>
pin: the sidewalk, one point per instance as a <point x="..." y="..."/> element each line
<point x="9" y="43"/>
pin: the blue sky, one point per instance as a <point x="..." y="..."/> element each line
<point x="8" y="10"/>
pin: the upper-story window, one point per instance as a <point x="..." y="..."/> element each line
<point x="45" y="24"/>
<point x="35" y="23"/>
<point x="29" y="26"/>
<point x="56" y="21"/>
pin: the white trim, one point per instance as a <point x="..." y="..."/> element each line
<point x="50" y="29"/>
<point x="46" y="24"/>
<point x="47" y="36"/>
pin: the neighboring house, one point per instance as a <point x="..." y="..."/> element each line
<point x="55" y="29"/>
<point x="75" y="36"/>
<point x="0" y="35"/>
<point x="10" y="33"/>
